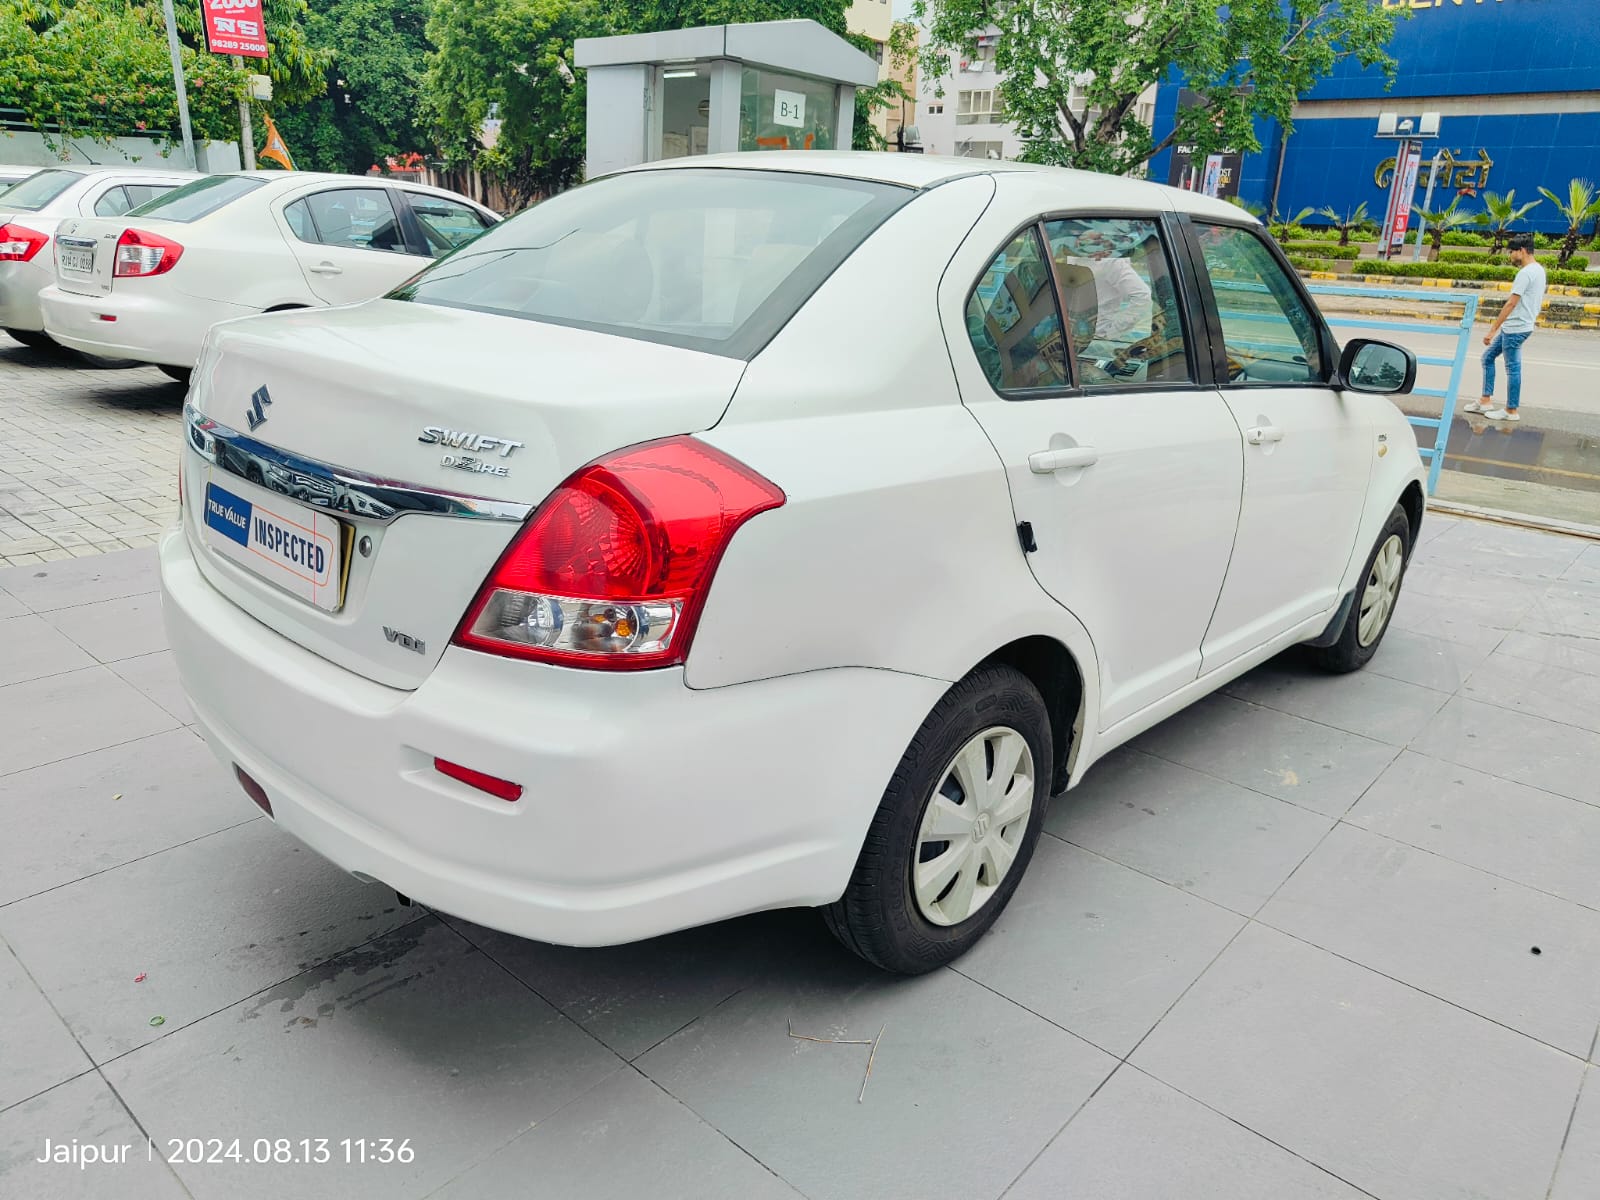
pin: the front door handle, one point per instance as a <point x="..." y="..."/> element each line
<point x="327" y="268"/>
<point x="1262" y="435"/>
<point x="1043" y="462"/>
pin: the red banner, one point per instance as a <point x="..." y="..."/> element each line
<point x="235" y="27"/>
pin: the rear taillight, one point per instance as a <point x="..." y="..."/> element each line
<point x="613" y="568"/>
<point x="142" y="254"/>
<point x="18" y="243"/>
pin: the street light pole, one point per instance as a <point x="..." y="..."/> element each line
<point x="177" y="79"/>
<point x="247" y="146"/>
<point x="1427" y="204"/>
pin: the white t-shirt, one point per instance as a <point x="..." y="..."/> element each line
<point x="1529" y="291"/>
<point x="1124" y="298"/>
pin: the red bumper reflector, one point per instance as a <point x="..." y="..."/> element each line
<point x="504" y="789"/>
<point x="253" y="789"/>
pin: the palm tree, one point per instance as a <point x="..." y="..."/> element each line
<point x="1500" y="214"/>
<point x="1284" y="231"/>
<point x="1442" y="221"/>
<point x="1350" y="220"/>
<point x="1255" y="210"/>
<point x="1581" y="204"/>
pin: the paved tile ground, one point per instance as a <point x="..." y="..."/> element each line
<point x="88" y="457"/>
<point x="1313" y="938"/>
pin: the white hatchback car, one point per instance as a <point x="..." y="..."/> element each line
<point x="770" y="530"/>
<point x="31" y="211"/>
<point x="149" y="286"/>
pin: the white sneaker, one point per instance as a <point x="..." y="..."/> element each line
<point x="1474" y="407"/>
<point x="1503" y="414"/>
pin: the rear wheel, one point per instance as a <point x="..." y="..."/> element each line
<point x="32" y="339"/>
<point x="179" y="374"/>
<point x="1376" y="595"/>
<point x="955" y="829"/>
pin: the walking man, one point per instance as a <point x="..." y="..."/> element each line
<point x="1511" y="328"/>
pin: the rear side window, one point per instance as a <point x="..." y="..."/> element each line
<point x="34" y="192"/>
<point x="1269" y="333"/>
<point x="708" y="259"/>
<point x="1122" y="305"/>
<point x="198" y="199"/>
<point x="113" y="204"/>
<point x="1013" y="321"/>
<point x="352" y="218"/>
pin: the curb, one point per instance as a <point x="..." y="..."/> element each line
<point x="1497" y="516"/>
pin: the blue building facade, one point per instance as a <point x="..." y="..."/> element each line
<point x="1516" y="84"/>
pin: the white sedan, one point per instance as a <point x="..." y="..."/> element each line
<point x="33" y="208"/>
<point x="633" y="568"/>
<point x="149" y="286"/>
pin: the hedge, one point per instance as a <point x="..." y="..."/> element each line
<point x="1322" y="249"/>
<point x="1448" y="270"/>
<point x="1577" y="263"/>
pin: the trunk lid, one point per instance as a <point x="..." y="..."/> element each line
<point x="78" y="238"/>
<point x="428" y="403"/>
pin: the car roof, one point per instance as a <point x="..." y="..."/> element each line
<point x="930" y="170"/>
<point x="105" y="169"/>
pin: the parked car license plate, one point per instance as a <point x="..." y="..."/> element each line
<point x="290" y="545"/>
<point x="77" y="259"/>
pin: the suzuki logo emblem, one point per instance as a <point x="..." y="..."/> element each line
<point x="258" y="404"/>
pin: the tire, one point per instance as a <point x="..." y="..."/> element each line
<point x="1352" y="651"/>
<point x="33" y="339"/>
<point x="880" y="916"/>
<point x="177" y="374"/>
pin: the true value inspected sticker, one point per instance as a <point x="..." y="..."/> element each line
<point x="294" y="546"/>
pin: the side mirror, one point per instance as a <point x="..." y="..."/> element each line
<point x="1377" y="367"/>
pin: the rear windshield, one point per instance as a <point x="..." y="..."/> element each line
<point x="34" y="192"/>
<point x="198" y="199"/>
<point x="709" y="259"/>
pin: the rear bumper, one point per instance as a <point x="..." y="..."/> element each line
<point x="20" y="285"/>
<point x="647" y="806"/>
<point x="165" y="327"/>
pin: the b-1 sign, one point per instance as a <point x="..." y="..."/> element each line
<point x="788" y="108"/>
<point x="235" y="27"/>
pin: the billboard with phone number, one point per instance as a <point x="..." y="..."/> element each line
<point x="235" y="27"/>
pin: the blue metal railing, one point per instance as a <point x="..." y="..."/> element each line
<point x="1457" y="362"/>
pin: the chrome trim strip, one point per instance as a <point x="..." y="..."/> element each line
<point x="353" y="494"/>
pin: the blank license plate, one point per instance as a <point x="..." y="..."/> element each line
<point x="297" y="548"/>
<point x="76" y="259"/>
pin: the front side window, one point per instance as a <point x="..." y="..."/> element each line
<point x="1013" y="322"/>
<point x="1123" y="315"/>
<point x="714" y="260"/>
<point x="445" y="223"/>
<point x="352" y="218"/>
<point x="1269" y="333"/>
<point x="34" y="192"/>
<point x="198" y="199"/>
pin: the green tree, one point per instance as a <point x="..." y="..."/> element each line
<point x="1580" y="204"/>
<point x="1347" y="221"/>
<point x="1442" y="221"/>
<point x="1500" y="213"/>
<point x="1074" y="72"/>
<point x="1288" y="230"/>
<point x="370" y="105"/>
<point x="99" y="70"/>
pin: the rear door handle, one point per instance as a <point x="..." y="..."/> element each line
<point x="327" y="269"/>
<point x="1042" y="462"/>
<point x="1261" y="435"/>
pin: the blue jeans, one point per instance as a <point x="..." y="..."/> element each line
<point x="1509" y="344"/>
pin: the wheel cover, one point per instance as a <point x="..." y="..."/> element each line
<point x="1383" y="587"/>
<point x="973" y="826"/>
